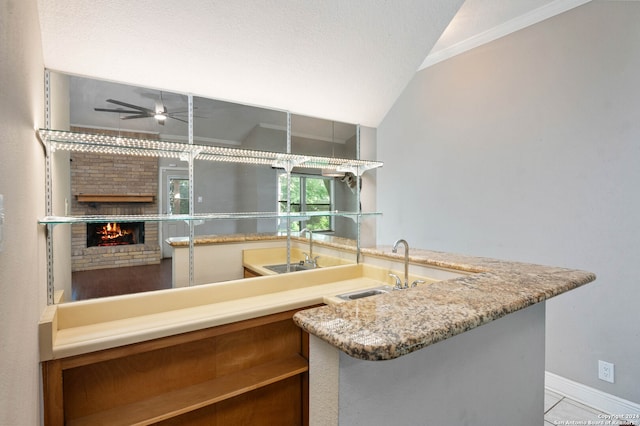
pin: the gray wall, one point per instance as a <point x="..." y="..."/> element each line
<point x="528" y="148"/>
<point x="453" y="382"/>
<point x="22" y="261"/>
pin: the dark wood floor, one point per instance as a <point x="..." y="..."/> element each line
<point x="115" y="281"/>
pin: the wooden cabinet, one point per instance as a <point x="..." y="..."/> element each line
<point x="248" y="273"/>
<point x="250" y="372"/>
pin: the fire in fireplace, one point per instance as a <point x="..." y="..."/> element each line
<point x="114" y="234"/>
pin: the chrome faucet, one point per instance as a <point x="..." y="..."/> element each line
<point x="308" y="258"/>
<point x="399" y="285"/>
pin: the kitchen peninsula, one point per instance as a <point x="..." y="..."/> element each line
<point x="436" y="365"/>
<point x="467" y="347"/>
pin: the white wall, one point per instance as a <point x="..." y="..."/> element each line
<point x="22" y="261"/>
<point x="528" y="148"/>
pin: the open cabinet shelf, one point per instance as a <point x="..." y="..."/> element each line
<point x="226" y="374"/>
<point x="197" y="396"/>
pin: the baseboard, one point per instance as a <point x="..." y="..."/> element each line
<point x="595" y="398"/>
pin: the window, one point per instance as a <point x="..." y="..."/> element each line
<point x="309" y="193"/>
<point x="178" y="195"/>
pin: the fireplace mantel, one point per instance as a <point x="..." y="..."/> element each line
<point x="115" y="198"/>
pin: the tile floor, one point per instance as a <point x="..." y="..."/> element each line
<point x="559" y="410"/>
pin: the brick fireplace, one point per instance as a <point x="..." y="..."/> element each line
<point x="104" y="184"/>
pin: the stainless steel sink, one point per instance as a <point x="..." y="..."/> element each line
<point x="282" y="268"/>
<point x="365" y="293"/>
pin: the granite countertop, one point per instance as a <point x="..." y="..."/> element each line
<point x="225" y="238"/>
<point x="318" y="238"/>
<point x="391" y="325"/>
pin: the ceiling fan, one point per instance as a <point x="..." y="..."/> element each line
<point x="160" y="112"/>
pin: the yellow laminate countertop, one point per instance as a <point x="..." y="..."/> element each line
<point x="97" y="324"/>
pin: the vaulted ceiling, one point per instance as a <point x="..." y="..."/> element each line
<point x="336" y="59"/>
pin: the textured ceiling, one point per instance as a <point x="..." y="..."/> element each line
<point x="335" y="59"/>
<point x="343" y="60"/>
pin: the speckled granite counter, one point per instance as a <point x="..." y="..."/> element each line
<point x="391" y="325"/>
<point x="318" y="238"/>
<point x="224" y="238"/>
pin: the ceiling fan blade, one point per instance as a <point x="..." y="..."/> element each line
<point x="175" y="118"/>
<point x="182" y="111"/>
<point x="129" y="117"/>
<point x="124" y="104"/>
<point x="123" y="111"/>
<point x="184" y="116"/>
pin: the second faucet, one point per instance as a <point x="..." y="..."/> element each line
<point x="308" y="258"/>
<point x="399" y="284"/>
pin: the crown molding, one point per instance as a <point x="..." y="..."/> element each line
<point x="516" y="24"/>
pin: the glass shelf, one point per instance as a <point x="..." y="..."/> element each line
<point x="87" y="142"/>
<point x="59" y="220"/>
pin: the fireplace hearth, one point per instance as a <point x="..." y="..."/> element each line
<point x="108" y="234"/>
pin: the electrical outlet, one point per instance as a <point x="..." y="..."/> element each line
<point x="606" y="371"/>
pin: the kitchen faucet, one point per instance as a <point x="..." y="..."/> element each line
<point x="308" y="258"/>
<point x="399" y="285"/>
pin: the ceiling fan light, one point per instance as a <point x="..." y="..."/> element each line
<point x="160" y="116"/>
